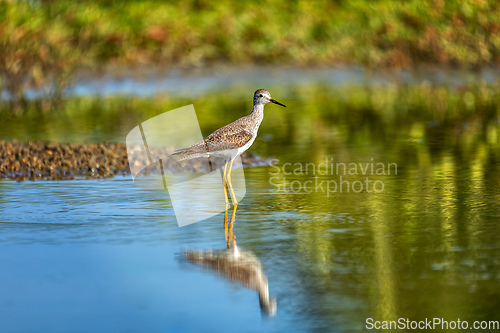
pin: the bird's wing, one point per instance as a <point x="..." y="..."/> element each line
<point x="228" y="137"/>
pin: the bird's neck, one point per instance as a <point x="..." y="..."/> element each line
<point x="258" y="112"/>
<point x="257" y="115"/>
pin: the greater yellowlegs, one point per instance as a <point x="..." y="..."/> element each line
<point x="232" y="140"/>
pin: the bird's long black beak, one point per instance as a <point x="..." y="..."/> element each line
<point x="276" y="102"/>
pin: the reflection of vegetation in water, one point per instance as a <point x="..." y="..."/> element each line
<point x="40" y="38"/>
<point x="426" y="245"/>
<point x="434" y="116"/>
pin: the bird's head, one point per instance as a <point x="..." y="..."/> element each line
<point x="262" y="96"/>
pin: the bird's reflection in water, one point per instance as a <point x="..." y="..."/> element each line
<point x="236" y="265"/>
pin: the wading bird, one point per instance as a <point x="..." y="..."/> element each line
<point x="230" y="141"/>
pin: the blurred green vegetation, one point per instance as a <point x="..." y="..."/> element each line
<point x="44" y="42"/>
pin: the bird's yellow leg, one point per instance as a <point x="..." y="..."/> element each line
<point x="227" y="204"/>
<point x="225" y="184"/>
<point x="235" y="202"/>
<point x="231" y="224"/>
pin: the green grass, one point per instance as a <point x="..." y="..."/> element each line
<point x="48" y="40"/>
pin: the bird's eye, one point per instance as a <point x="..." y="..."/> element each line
<point x="260" y="95"/>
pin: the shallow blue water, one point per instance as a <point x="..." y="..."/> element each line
<point x="105" y="255"/>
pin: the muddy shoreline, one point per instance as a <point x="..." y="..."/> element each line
<point x="33" y="161"/>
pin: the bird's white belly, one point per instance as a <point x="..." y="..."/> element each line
<point x="242" y="149"/>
